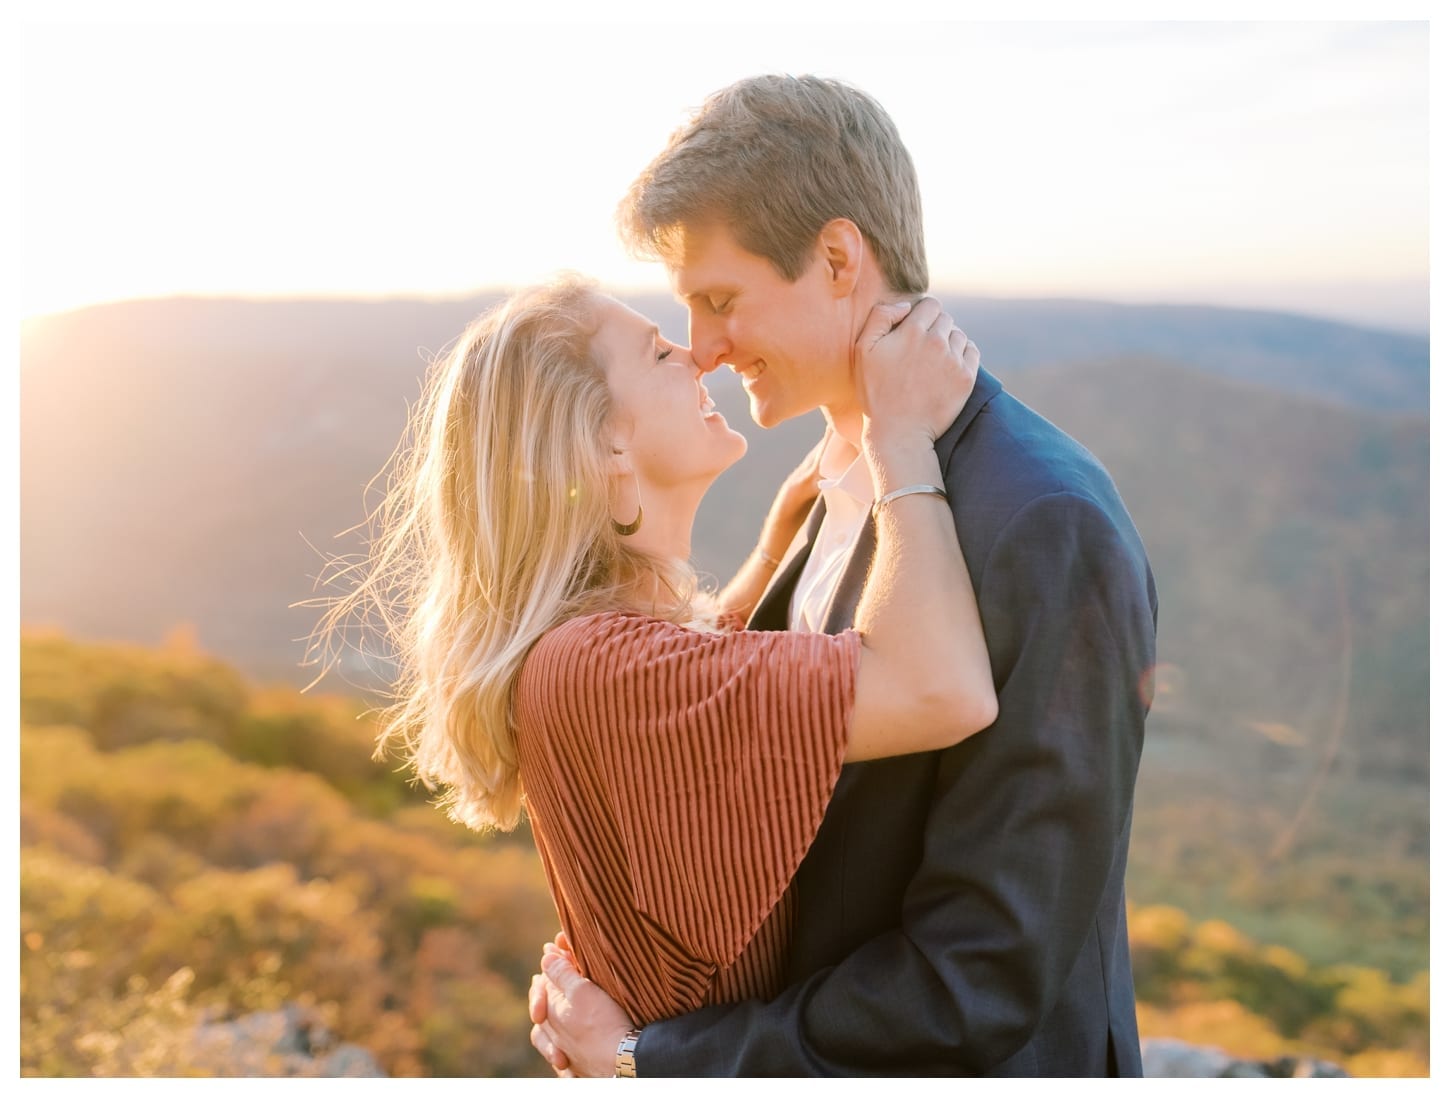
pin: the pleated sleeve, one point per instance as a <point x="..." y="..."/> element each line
<point x="704" y="761"/>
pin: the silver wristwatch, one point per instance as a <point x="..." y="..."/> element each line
<point x="624" y="1055"/>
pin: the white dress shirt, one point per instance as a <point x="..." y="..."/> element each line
<point x="848" y="497"/>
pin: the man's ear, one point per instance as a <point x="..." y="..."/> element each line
<point x="844" y="246"/>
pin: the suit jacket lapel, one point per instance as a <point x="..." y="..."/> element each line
<point x="773" y="609"/>
<point x="847" y="596"/>
<point x="841" y="612"/>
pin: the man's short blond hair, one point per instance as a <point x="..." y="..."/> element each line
<point x="774" y="158"/>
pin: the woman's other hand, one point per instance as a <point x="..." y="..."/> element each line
<point x="914" y="369"/>
<point x="577" y="1026"/>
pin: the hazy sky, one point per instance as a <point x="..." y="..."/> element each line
<point x="1276" y="165"/>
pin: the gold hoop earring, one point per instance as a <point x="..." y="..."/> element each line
<point x="632" y="528"/>
<point x="625" y="530"/>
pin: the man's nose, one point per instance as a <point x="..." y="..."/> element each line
<point x="708" y="345"/>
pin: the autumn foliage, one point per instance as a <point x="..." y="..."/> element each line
<point x="196" y="848"/>
<point x="193" y="848"/>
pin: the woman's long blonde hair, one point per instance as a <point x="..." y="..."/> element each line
<point x="495" y="527"/>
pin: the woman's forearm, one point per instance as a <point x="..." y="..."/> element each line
<point x="926" y="681"/>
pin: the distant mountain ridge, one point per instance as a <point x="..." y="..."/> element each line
<point x="1349" y="364"/>
<point x="1356" y="366"/>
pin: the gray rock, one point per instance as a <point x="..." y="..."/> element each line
<point x="291" y="1042"/>
<point x="1304" y="1067"/>
<point x="350" y="1062"/>
<point x="1166" y="1058"/>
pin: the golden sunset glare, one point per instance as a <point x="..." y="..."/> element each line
<point x="1272" y="165"/>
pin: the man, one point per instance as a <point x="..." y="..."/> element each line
<point x="960" y="912"/>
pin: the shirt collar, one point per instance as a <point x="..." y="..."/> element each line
<point x="852" y="489"/>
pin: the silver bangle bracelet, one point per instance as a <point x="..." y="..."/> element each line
<point x="774" y="562"/>
<point x="909" y="490"/>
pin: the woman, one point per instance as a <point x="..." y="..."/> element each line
<point x="556" y="655"/>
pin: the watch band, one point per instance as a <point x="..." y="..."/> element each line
<point x="624" y="1056"/>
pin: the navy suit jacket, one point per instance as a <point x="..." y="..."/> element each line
<point x="962" y="911"/>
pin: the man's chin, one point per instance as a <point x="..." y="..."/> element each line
<point x="767" y="414"/>
<point x="760" y="412"/>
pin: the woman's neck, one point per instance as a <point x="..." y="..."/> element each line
<point x="667" y="522"/>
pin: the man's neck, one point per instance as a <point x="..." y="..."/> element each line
<point x="846" y="416"/>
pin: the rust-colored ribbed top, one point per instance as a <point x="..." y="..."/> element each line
<point x="674" y="780"/>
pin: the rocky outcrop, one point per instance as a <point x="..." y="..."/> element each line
<point x="288" y="1042"/>
<point x="1165" y="1058"/>
<point x="293" y="1042"/>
